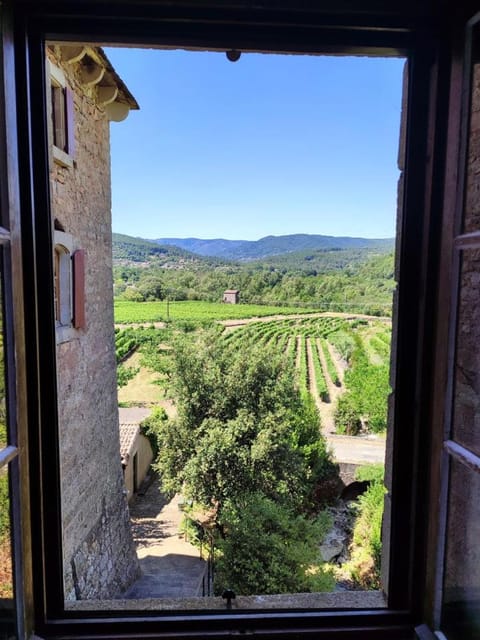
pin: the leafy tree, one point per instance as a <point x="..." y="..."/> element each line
<point x="242" y="426"/>
<point x="133" y="294"/>
<point x="247" y="447"/>
<point x="151" y="287"/>
<point x="269" y="549"/>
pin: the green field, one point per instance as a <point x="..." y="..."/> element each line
<point x="127" y="312"/>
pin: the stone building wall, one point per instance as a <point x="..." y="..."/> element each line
<point x="99" y="555"/>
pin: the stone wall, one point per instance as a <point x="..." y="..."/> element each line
<point x="99" y="555"/>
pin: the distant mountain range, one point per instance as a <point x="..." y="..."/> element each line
<point x="274" y="245"/>
<point x="127" y="249"/>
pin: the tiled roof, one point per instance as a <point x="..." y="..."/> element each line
<point x="128" y="433"/>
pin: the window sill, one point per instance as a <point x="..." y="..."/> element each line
<point x="62" y="158"/>
<point x="65" y="334"/>
<point x="336" y="600"/>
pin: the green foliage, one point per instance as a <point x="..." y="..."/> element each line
<point x="344" y="343"/>
<point x="302" y="373"/>
<point x="3" y="435"/>
<point x="269" y="549"/>
<point x="372" y="472"/>
<point x="245" y="438"/>
<point x="365" y="401"/>
<point x="131" y="312"/>
<point x="125" y="374"/>
<point x="125" y="342"/>
<point x="366" y="548"/>
<point x="152" y="428"/>
<point x="4" y="506"/>
<point x="331" y="368"/>
<point x="355" y="278"/>
<point x="242" y="425"/>
<point x="347" y="415"/>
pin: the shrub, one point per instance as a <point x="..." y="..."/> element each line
<point x="366" y="547"/>
<point x="268" y="549"/>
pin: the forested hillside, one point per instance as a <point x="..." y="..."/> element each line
<point x="274" y="245"/>
<point x="340" y="280"/>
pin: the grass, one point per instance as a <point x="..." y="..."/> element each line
<point x="132" y="312"/>
<point x="142" y="388"/>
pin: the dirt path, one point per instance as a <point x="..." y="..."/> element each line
<point x="327" y="409"/>
<point x="170" y="566"/>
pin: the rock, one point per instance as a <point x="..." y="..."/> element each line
<point x="333" y="545"/>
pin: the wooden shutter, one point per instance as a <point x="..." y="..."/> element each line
<point x="78" y="268"/>
<point x="70" y="122"/>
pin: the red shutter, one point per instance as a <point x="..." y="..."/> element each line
<point x="78" y="259"/>
<point x="70" y="111"/>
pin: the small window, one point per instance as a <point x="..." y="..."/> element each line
<point x="63" y="286"/>
<point x="69" y="268"/>
<point x="62" y="118"/>
<point x="59" y="118"/>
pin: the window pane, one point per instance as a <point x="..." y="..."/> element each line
<point x="248" y="494"/>
<point x="466" y="425"/>
<point x="462" y="571"/>
<point x="6" y="573"/>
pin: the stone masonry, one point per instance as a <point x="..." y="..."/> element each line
<point x="98" y="550"/>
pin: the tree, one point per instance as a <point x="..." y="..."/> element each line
<point x="151" y="287"/>
<point x="247" y="447"/>
<point x="242" y="427"/>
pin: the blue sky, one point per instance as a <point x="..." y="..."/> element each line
<point x="269" y="145"/>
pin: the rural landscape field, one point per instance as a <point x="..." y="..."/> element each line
<point x="247" y="399"/>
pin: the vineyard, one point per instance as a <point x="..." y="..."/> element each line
<point x="195" y="311"/>
<point x="342" y="362"/>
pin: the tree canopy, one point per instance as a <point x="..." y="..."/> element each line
<point x="246" y="445"/>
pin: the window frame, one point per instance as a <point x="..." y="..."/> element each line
<point x="63" y="252"/>
<point x="417" y="256"/>
<point x="61" y="100"/>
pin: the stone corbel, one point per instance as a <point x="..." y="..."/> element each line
<point x="117" y="111"/>
<point x="107" y="95"/>
<point x="91" y="74"/>
<point x="73" y="53"/>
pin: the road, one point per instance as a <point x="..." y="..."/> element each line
<point x="357" y="449"/>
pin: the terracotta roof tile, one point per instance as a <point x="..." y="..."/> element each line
<point x="128" y="433"/>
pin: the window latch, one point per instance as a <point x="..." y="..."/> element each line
<point x="228" y="595"/>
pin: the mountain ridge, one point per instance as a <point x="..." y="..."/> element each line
<point x="271" y="245"/>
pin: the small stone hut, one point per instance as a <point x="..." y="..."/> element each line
<point x="231" y="296"/>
